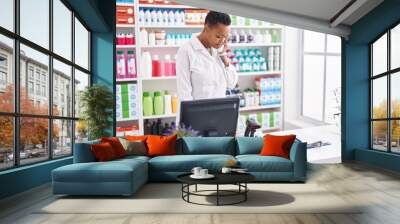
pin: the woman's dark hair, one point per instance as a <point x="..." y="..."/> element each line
<point x="213" y="18"/>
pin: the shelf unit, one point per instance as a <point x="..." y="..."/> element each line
<point x="246" y="79"/>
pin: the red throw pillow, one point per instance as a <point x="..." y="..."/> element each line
<point x="161" y="145"/>
<point x="116" y="145"/>
<point x="103" y="151"/>
<point x="136" y="137"/>
<point x="277" y="145"/>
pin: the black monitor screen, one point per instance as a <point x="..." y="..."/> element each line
<point x="211" y="117"/>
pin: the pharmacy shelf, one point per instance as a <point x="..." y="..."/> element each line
<point x="165" y="6"/>
<point x="254" y="44"/>
<point x="126" y="80"/>
<point x="257" y="27"/>
<point x="128" y="119"/>
<point x="259" y="73"/>
<point x="125" y="26"/>
<point x="159" y="116"/>
<point x="172" y="27"/>
<point x="125" y="46"/>
<point x="254" y="108"/>
<point x="160" y="46"/>
<point x="125" y="4"/>
<point x="157" y="78"/>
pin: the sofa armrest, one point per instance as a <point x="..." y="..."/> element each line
<point x="83" y="152"/>
<point x="298" y="155"/>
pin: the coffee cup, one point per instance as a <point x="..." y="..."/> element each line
<point x="203" y="172"/>
<point x="226" y="170"/>
<point x="196" y="171"/>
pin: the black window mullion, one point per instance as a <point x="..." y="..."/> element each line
<point x="389" y="106"/>
<point x="50" y="79"/>
<point x="73" y="81"/>
<point x="16" y="84"/>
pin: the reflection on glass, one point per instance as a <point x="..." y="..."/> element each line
<point x="314" y="41"/>
<point x="33" y="139"/>
<point x="7" y="14"/>
<point x="62" y="89"/>
<point x="62" y="29"/>
<point x="6" y="74"/>
<point x="332" y="94"/>
<point x="379" y="98"/>
<point x="62" y="138"/>
<point x="379" y="55"/>
<point x="334" y="44"/>
<point x="34" y="96"/>
<point x="35" y="21"/>
<point x="395" y="138"/>
<point x="81" y="45"/>
<point x="379" y="135"/>
<point x="81" y="131"/>
<point x="6" y="142"/>
<point x="81" y="81"/>
<point x="313" y="86"/>
<point x="395" y="47"/>
<point x="395" y="95"/>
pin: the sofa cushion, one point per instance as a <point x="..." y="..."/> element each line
<point x="112" y="171"/>
<point x="248" y="145"/>
<point x="134" y="147"/>
<point x="83" y="152"/>
<point x="103" y="152"/>
<point x="116" y="145"/>
<point x="277" y="145"/>
<point x="207" y="145"/>
<point x="185" y="163"/>
<point x="257" y="163"/>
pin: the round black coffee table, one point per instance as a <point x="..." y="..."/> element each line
<point x="238" y="179"/>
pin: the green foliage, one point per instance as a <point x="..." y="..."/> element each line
<point x="97" y="103"/>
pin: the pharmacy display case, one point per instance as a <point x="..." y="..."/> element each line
<point x="150" y="32"/>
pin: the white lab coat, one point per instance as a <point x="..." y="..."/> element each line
<point x="201" y="75"/>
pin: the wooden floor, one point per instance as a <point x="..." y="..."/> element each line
<point x="379" y="189"/>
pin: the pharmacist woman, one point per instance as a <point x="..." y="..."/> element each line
<point x="203" y="69"/>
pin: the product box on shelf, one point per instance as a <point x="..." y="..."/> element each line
<point x="195" y="16"/>
<point x="125" y="10"/>
<point x="126" y="101"/>
<point x="128" y="130"/>
<point x="125" y="19"/>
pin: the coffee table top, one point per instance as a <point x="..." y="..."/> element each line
<point x="220" y="178"/>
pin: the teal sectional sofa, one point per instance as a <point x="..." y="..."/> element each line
<point x="125" y="176"/>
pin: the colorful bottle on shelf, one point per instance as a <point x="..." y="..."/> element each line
<point x="147" y="104"/>
<point x="156" y="66"/>
<point x="158" y="103"/>
<point x="131" y="64"/>
<point x="121" y="68"/>
<point x="174" y="103"/>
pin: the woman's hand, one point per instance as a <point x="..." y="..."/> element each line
<point x="223" y="55"/>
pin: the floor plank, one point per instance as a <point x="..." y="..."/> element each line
<point x="376" y="189"/>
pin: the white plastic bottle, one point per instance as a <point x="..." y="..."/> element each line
<point x="177" y="19"/>
<point x="141" y="17"/>
<point x="152" y="38"/>
<point x="159" y="18"/>
<point x="144" y="37"/>
<point x="146" y="65"/>
<point x="182" y="18"/>
<point x="267" y="37"/>
<point x="167" y="103"/>
<point x="147" y="17"/>
<point x="153" y="18"/>
<point x="171" y="18"/>
<point x="165" y="18"/>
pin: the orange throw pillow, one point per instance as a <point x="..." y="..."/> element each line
<point x="277" y="145"/>
<point x="161" y="145"/>
<point x="136" y="137"/>
<point x="116" y="145"/>
<point x="103" y="151"/>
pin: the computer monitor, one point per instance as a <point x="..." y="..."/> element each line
<point x="211" y="117"/>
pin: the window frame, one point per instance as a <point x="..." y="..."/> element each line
<point x="388" y="74"/>
<point x="325" y="54"/>
<point x="15" y="68"/>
